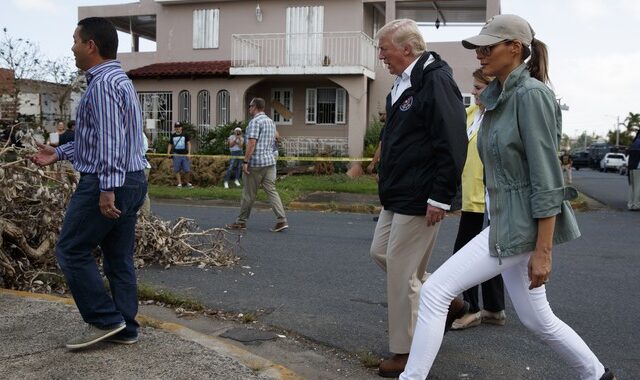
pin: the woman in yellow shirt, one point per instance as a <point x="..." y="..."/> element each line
<point x="472" y="219"/>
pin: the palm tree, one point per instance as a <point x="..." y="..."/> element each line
<point x="632" y="122"/>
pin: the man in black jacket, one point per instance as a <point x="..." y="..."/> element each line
<point x="423" y="150"/>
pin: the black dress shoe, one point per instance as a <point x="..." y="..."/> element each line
<point x="608" y="375"/>
<point x="393" y="366"/>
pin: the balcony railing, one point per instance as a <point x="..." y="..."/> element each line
<point x="306" y="53"/>
<point x="309" y="145"/>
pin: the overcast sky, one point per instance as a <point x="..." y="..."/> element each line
<point x="593" y="49"/>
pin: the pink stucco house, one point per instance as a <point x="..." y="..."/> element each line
<point x="315" y="62"/>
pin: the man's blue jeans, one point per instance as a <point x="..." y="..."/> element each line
<point x="234" y="162"/>
<point x="84" y="229"/>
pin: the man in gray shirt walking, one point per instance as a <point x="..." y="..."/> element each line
<point x="259" y="167"/>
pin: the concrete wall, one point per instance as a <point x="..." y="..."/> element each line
<point x="174" y="25"/>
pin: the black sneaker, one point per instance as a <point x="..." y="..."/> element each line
<point x="122" y="339"/>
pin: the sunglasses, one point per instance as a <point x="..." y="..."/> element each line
<point x="486" y="51"/>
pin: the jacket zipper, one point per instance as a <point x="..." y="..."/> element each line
<point x="495" y="179"/>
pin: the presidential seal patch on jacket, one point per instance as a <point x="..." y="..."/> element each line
<point x="406" y="104"/>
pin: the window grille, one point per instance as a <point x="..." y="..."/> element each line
<point x="326" y="106"/>
<point x="283" y="96"/>
<point x="204" y="111"/>
<point x="184" y="106"/>
<point x="157" y="110"/>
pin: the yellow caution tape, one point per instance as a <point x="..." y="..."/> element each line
<point x="280" y="158"/>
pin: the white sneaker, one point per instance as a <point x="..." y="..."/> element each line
<point x="498" y="318"/>
<point x="226" y="184"/>
<point x="467" y="321"/>
<point x="237" y="183"/>
<point x="179" y="185"/>
<point x="189" y="185"/>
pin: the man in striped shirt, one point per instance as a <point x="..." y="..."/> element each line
<point x="259" y="167"/>
<point x="108" y="152"/>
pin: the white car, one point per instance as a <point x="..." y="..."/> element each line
<point x="612" y="161"/>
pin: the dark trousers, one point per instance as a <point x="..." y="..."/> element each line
<point x="84" y="229"/>
<point x="493" y="289"/>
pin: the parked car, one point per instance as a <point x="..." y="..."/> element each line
<point x="580" y="160"/>
<point x="622" y="170"/>
<point x="612" y="161"/>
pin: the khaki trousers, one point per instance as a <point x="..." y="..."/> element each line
<point x="265" y="176"/>
<point x="402" y="246"/>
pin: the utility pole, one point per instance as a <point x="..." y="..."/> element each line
<point x="617" y="131"/>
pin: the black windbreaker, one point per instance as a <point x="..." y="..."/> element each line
<point x="424" y="141"/>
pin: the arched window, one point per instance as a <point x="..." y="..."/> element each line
<point x="204" y="109"/>
<point x="223" y="111"/>
<point x="184" y="106"/>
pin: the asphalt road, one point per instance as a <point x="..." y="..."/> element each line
<point x="317" y="279"/>
<point x="609" y="188"/>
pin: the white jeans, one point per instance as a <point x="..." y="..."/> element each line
<point x="470" y="266"/>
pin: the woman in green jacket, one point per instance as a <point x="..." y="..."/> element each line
<point x="528" y="203"/>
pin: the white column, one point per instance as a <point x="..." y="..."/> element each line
<point x="358" y="117"/>
<point x="390" y="10"/>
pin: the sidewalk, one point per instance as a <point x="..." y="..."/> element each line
<point x="312" y="201"/>
<point x="35" y="327"/>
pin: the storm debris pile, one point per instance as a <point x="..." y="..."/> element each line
<point x="32" y="206"/>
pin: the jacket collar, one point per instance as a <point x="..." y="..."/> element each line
<point x="495" y="92"/>
<point x="428" y="61"/>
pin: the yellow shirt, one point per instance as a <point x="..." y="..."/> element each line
<point x="472" y="183"/>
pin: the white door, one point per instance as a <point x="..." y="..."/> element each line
<point x="304" y="36"/>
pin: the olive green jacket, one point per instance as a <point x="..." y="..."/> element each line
<point x="518" y="144"/>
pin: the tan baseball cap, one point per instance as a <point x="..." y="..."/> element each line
<point x="501" y="28"/>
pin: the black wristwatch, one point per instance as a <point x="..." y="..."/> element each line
<point x="245" y="162"/>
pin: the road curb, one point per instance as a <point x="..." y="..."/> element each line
<point x="256" y="363"/>
<point x="333" y="206"/>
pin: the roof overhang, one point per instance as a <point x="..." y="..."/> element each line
<point x="167" y="70"/>
<point x="447" y="11"/>
<point x="141" y="25"/>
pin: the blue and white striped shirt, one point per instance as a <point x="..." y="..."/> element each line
<point x="263" y="129"/>
<point x="108" y="127"/>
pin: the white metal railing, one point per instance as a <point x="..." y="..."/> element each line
<point x="303" y="49"/>
<point x="309" y="145"/>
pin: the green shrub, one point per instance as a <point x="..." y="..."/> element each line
<point x="160" y="144"/>
<point x="372" y="137"/>
<point x="189" y="129"/>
